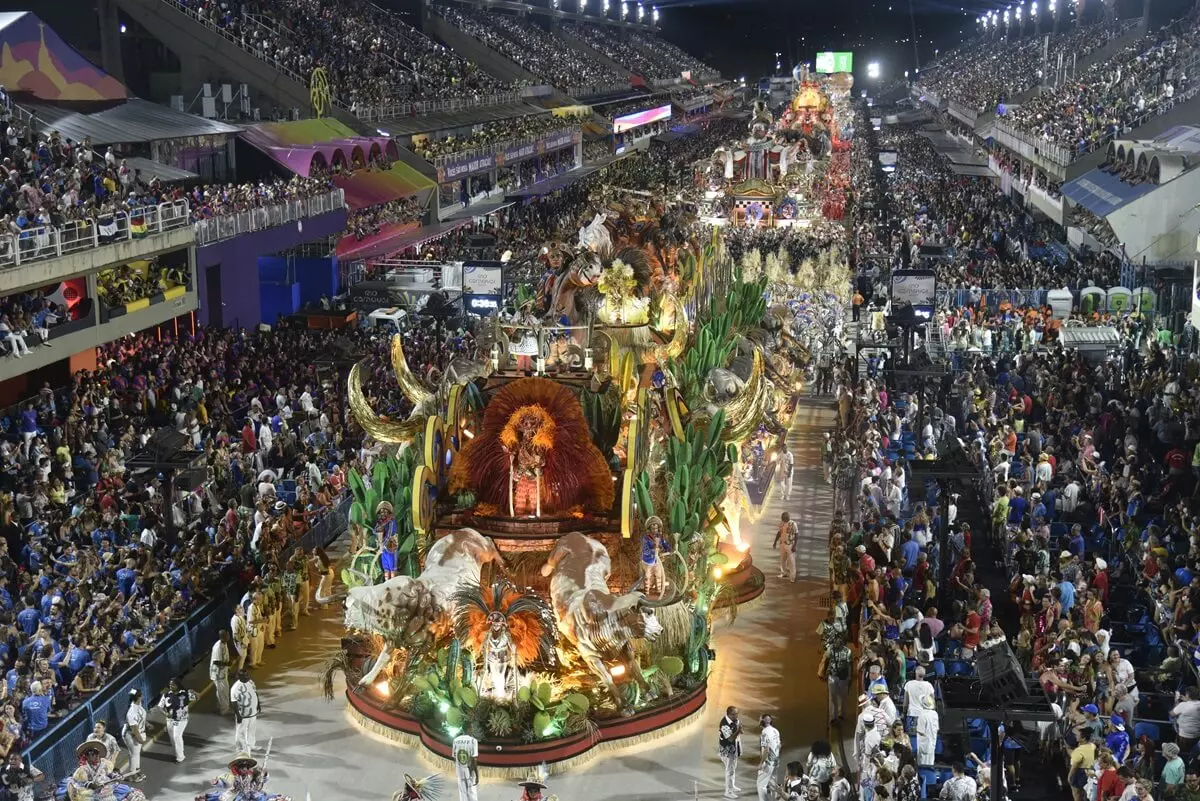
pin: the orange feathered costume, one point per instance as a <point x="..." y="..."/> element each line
<point x="574" y="473"/>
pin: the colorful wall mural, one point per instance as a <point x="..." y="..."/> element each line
<point x="35" y="61"/>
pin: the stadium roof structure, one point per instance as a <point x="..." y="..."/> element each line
<point x="304" y="145"/>
<point x="132" y="121"/>
<point x="1171" y="153"/>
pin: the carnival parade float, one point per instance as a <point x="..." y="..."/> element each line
<point x="792" y="167"/>
<point x="561" y="519"/>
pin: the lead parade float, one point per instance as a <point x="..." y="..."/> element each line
<point x="540" y="558"/>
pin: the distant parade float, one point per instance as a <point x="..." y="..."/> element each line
<point x="539" y="560"/>
<point x="793" y="170"/>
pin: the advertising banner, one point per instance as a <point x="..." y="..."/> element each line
<point x="558" y="140"/>
<point x="461" y="169"/>
<point x="916" y="287"/>
<point x="518" y="152"/>
<point x="641" y="118"/>
<point x="370" y="295"/>
<point x="482" y="279"/>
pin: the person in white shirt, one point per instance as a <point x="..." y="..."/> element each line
<point x="466" y="767"/>
<point x="788" y="466"/>
<point x="884" y="707"/>
<point x="769" y="746"/>
<point x="927" y="730"/>
<point x="134" y="733"/>
<point x="1068" y="499"/>
<point x="266" y="437"/>
<point x="244" y="696"/>
<point x="100" y="735"/>
<point x="1044" y="472"/>
<point x="219" y="661"/>
<point x="239" y="635"/>
<point x="256" y="621"/>
<point x="174" y="705"/>
<point x="914" y="690"/>
<point x="960" y="786"/>
<point x="149" y="538"/>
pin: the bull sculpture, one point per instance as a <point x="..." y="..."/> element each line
<point x="598" y="623"/>
<point x="405" y="610"/>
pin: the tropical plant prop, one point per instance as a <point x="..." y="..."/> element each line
<point x="551" y="713"/>
<point x="448" y="684"/>
<point x="712" y="347"/>
<point x="603" y="413"/>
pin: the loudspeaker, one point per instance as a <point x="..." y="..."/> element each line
<point x="1000" y="673"/>
<point x="188" y="480"/>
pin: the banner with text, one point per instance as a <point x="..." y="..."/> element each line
<point x="518" y="152"/>
<point x="455" y="170"/>
<point x="559" y="140"/>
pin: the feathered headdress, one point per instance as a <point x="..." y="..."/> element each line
<point x="575" y="473"/>
<point x="427" y="789"/>
<point x="526" y="615"/>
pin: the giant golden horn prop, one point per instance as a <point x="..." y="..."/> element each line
<point x="413" y="389"/>
<point x="376" y="427"/>
<point x="744" y="413"/>
<point x="674" y="348"/>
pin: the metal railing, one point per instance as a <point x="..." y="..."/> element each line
<point x="1065" y="155"/>
<point x="391" y="111"/>
<point x="443" y="159"/>
<point x="47" y="242"/>
<point x="248" y="22"/>
<point x="227" y="226"/>
<point x="377" y="113"/>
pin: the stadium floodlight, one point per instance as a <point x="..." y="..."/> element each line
<point x="654" y="14"/>
<point x="606" y="7"/>
<point x="873" y="69"/>
<point x="624" y="10"/>
<point x="641" y="12"/>
<point x="1033" y="9"/>
<point x="1006" y="16"/>
<point x="1018" y="14"/>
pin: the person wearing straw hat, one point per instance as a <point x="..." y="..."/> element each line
<point x="244" y="782"/>
<point x="927" y="725"/>
<point x="426" y="789"/>
<point x="95" y="779"/>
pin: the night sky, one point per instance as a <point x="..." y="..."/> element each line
<point x="741" y="37"/>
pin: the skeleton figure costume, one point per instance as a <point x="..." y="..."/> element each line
<point x="95" y="779"/>
<point x="244" y="782"/>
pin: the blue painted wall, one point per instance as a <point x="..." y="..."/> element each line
<point x="237" y="262"/>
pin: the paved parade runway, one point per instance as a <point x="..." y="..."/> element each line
<point x="766" y="661"/>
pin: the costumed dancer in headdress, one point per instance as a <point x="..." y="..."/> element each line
<point x="244" y="782"/>
<point x="95" y="779"/>
<point x="426" y="789"/>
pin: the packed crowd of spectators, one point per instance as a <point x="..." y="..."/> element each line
<point x="129" y="282"/>
<point x="985" y="73"/>
<point x="676" y="54"/>
<point x="987" y="242"/>
<point x="1116" y="95"/>
<point x="215" y="200"/>
<point x="92" y="573"/>
<point x="370" y="221"/>
<point x="533" y="48"/>
<point x="372" y="57"/>
<point x="649" y="63"/>
<point x="491" y="134"/>
<point x="1071" y="537"/>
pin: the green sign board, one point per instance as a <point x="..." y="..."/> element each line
<point x="830" y="62"/>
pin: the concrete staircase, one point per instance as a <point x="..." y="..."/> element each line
<point x="210" y="55"/>
<point x="473" y="50"/>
